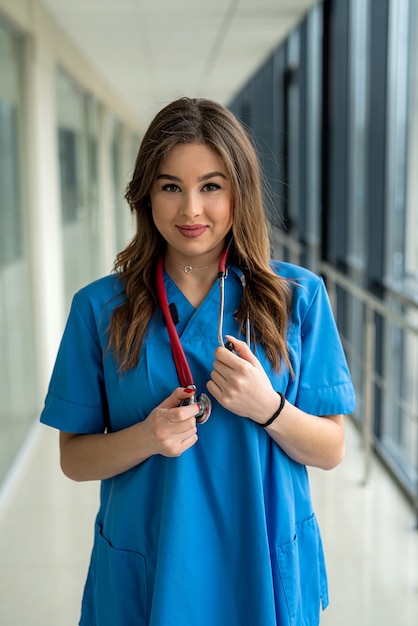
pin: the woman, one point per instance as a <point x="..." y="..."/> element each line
<point x="204" y="520"/>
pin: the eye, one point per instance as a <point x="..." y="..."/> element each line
<point x="171" y="188"/>
<point x="211" y="187"/>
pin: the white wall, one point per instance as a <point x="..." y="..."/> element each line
<point x="47" y="47"/>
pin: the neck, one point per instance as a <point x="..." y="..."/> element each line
<point x="194" y="281"/>
<point x="188" y="269"/>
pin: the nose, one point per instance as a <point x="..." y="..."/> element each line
<point x="190" y="206"/>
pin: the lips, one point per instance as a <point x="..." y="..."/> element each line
<point x="192" y="231"/>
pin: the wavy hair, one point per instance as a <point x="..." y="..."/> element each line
<point x="266" y="298"/>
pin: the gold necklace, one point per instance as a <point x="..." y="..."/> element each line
<point x="188" y="269"/>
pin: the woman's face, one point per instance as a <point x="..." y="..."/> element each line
<point x="192" y="203"/>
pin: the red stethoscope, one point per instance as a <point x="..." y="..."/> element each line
<point x="183" y="370"/>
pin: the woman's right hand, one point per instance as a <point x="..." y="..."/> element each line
<point x="171" y="429"/>
<point x="168" y="430"/>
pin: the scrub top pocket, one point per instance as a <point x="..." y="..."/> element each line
<point x="116" y="587"/>
<point x="302" y="582"/>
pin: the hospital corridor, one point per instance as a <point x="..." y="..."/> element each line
<point x="327" y="93"/>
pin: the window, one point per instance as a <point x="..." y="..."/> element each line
<point x="312" y="208"/>
<point x="399" y="429"/>
<point x="118" y="183"/>
<point x="401" y="125"/>
<point x="124" y="147"/>
<point x="411" y="218"/>
<point x="358" y="107"/>
<point x="78" y="114"/>
<point x="10" y="203"/>
<point x="18" y="390"/>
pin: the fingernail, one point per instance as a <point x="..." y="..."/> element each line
<point x="190" y="389"/>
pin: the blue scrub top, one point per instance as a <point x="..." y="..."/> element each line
<point x="225" y="534"/>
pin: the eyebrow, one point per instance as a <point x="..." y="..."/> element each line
<point x="200" y="179"/>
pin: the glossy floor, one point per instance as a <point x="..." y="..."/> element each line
<point x="46" y="526"/>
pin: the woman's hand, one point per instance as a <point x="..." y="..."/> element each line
<point x="240" y="384"/>
<point x="168" y="430"/>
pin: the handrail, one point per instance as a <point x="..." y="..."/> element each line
<point x="367" y="298"/>
<point x="372" y="307"/>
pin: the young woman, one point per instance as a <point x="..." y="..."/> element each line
<point x="197" y="382"/>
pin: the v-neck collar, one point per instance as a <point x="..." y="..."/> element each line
<point x="193" y="321"/>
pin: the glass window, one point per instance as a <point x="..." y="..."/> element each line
<point x="400" y="123"/>
<point x="313" y="135"/>
<point x="18" y="389"/>
<point x="78" y="116"/>
<point x="411" y="220"/>
<point x="293" y="130"/>
<point x="118" y="183"/>
<point x="357" y="210"/>
<point x="399" y="429"/>
<point x="358" y="92"/>
<point x="302" y="137"/>
<point x="125" y="146"/>
<point x="10" y="204"/>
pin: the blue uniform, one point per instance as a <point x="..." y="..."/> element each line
<point x="225" y="534"/>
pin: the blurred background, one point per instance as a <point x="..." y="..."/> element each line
<point x="329" y="93"/>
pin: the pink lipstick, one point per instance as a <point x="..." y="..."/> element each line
<point x="191" y="230"/>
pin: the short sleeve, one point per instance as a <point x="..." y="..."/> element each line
<point x="74" y="402"/>
<point x="324" y="384"/>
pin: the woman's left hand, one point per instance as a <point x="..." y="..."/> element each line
<point x="240" y="384"/>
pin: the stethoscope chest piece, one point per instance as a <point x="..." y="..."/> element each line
<point x="205" y="406"/>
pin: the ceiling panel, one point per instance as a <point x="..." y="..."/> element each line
<point x="151" y="51"/>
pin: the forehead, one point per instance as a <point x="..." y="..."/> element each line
<point x="193" y="156"/>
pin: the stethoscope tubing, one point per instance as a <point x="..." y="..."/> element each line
<point x="180" y="360"/>
<point x="182" y="366"/>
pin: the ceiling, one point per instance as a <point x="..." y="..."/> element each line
<point x="153" y="51"/>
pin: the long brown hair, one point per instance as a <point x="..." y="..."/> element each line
<point x="267" y="297"/>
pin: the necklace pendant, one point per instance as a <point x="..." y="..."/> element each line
<point x="188" y="269"/>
